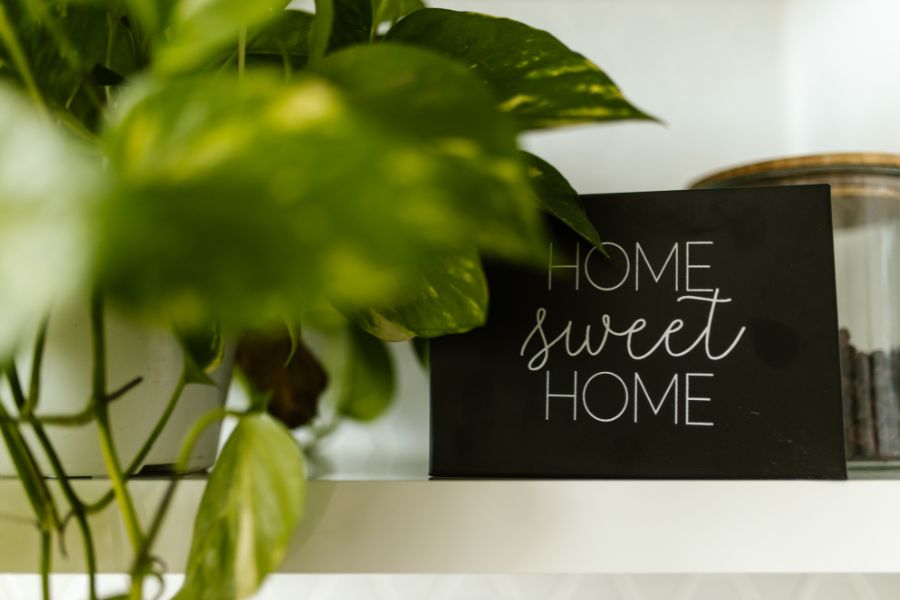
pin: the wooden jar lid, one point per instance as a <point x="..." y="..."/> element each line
<point x="809" y="166"/>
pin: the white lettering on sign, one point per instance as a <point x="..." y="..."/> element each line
<point x="605" y="396"/>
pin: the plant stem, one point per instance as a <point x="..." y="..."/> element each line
<point x="46" y="560"/>
<point x="31" y="402"/>
<point x="78" y="507"/>
<point x="111" y="24"/>
<point x="11" y="41"/>
<point x="34" y="385"/>
<point x="75" y="502"/>
<point x="84" y="416"/>
<point x="160" y="424"/>
<point x="196" y="430"/>
<point x="28" y="471"/>
<point x="242" y="52"/>
<point x="15" y="384"/>
<point x="36" y="490"/>
<point x="139" y="567"/>
<point x="142" y="558"/>
<point x="107" y="445"/>
<point x="148" y="444"/>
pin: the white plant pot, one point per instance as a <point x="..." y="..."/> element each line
<point x="132" y="351"/>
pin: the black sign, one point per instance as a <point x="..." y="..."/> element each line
<point x="704" y="345"/>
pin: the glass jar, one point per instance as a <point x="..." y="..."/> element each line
<point x="865" y="206"/>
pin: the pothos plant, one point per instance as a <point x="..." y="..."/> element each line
<point x="241" y="163"/>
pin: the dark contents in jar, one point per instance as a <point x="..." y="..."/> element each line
<point x="869" y="387"/>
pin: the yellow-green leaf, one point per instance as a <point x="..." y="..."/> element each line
<point x="252" y="503"/>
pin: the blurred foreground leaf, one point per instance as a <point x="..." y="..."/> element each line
<point x="539" y="80"/>
<point x="252" y="504"/>
<point x="152" y="16"/>
<point x="192" y="231"/>
<point x="428" y="99"/>
<point x="47" y="183"/>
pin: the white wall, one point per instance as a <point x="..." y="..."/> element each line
<point x="735" y="81"/>
<point x="843" y="58"/>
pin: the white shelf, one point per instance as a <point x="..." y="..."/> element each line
<point x="534" y="527"/>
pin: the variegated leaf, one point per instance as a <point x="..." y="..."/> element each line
<point x="538" y="79"/>
<point x="252" y="503"/>
<point x="450" y="297"/>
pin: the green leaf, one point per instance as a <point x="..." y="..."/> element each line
<point x="47" y="186"/>
<point x="203" y="348"/>
<point x="539" y="80"/>
<point x="422" y="350"/>
<point x="368" y="386"/>
<point x="289" y="195"/>
<point x="391" y="11"/>
<point x="252" y="504"/>
<point x="197" y="30"/>
<point x="338" y="24"/>
<point x="451" y="296"/>
<point x="352" y="23"/>
<point x="284" y="39"/>
<point x="320" y="34"/>
<point x="63" y="45"/>
<point x="556" y="196"/>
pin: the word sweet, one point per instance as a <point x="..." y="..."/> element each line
<point x="629" y="271"/>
